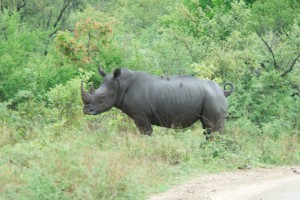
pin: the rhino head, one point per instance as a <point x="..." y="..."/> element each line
<point x="104" y="98"/>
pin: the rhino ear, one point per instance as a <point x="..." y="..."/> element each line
<point x="117" y="73"/>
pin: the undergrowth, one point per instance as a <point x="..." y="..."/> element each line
<point x="98" y="160"/>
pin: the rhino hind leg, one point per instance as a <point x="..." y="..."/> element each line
<point x="212" y="124"/>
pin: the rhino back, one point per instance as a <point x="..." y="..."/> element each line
<point x="176" y="95"/>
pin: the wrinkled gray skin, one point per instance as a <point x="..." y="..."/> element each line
<point x="174" y="102"/>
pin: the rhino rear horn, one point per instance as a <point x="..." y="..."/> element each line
<point x="84" y="95"/>
<point x="102" y="72"/>
<point x="92" y="90"/>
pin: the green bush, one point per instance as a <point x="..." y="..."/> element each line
<point x="65" y="101"/>
<point x="50" y="150"/>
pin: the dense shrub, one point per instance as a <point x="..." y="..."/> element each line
<point x="50" y="150"/>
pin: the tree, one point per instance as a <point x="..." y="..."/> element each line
<point x="48" y="15"/>
<point x="90" y="45"/>
<point x="17" y="45"/>
<point x="275" y="15"/>
<point x="264" y="67"/>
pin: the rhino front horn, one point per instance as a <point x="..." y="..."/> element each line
<point x="84" y="95"/>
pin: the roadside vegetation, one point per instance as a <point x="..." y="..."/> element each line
<point x="50" y="150"/>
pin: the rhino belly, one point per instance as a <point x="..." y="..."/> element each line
<point x="177" y="119"/>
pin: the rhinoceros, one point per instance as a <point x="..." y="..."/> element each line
<point x="172" y="102"/>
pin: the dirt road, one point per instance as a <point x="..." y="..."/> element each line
<point x="281" y="183"/>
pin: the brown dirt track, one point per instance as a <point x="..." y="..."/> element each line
<point x="259" y="184"/>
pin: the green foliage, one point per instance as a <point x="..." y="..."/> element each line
<point x="275" y="15"/>
<point x="136" y="16"/>
<point x="17" y="46"/>
<point x="65" y="101"/>
<point x="50" y="150"/>
<point x="276" y="142"/>
<point x="234" y="52"/>
<point x="89" y="37"/>
<point x="209" y="6"/>
<point x="90" y="44"/>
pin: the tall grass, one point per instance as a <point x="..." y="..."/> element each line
<point x="99" y="160"/>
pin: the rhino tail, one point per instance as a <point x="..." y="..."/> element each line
<point x="228" y="92"/>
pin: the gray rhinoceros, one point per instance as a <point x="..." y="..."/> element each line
<point x="173" y="102"/>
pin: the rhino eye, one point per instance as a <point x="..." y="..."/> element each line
<point x="101" y="98"/>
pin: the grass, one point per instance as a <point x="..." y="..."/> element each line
<point x="96" y="160"/>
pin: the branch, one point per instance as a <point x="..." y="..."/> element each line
<point x="55" y="31"/>
<point x="296" y="89"/>
<point x="19" y="7"/>
<point x="295" y="94"/>
<point x="2" y="8"/>
<point x="48" y="21"/>
<point x="291" y="67"/>
<point x="270" y="49"/>
<point x="66" y="4"/>
<point x="29" y="12"/>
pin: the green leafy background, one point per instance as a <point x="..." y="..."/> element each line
<point x="50" y="150"/>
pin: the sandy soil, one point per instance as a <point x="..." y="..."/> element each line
<point x="259" y="184"/>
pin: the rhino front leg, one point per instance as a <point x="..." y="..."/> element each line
<point x="143" y="125"/>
